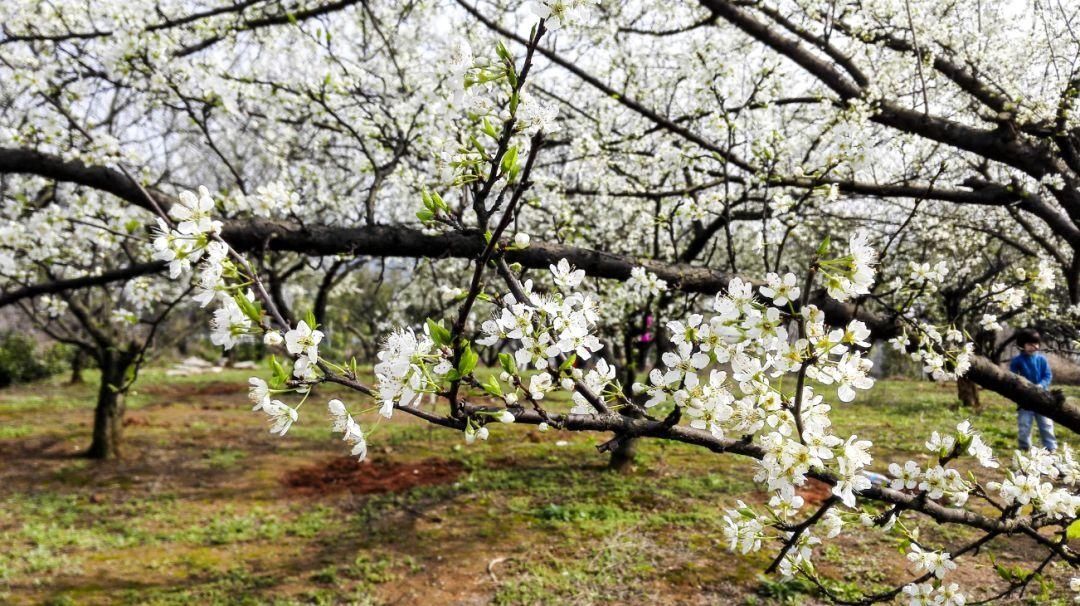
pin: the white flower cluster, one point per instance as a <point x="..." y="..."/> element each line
<point x="272" y="200"/>
<point x="924" y="594"/>
<point x="1002" y="298"/>
<point x="408" y="366"/>
<point x="191" y="242"/>
<point x="927" y="276"/>
<point x="937" y="562"/>
<point x="54" y="307"/>
<point x="1008" y="298"/>
<point x="782" y="290"/>
<point x="302" y="343"/>
<point x="280" y="414"/>
<point x="939" y="481"/>
<point x="344" y="423"/>
<point x="643" y="284"/>
<point x="851" y="275"/>
<point x="559" y="13"/>
<point x="534" y="115"/>
<point x="183" y="246"/>
<point x="1030" y="482"/>
<point x="1053" y="181"/>
<point x="553" y="325"/>
<point x="1044" y="277"/>
<point x="944" y="357"/>
<point x="754" y="339"/>
<point x="629" y="298"/>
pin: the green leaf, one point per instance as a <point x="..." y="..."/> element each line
<point x="280" y="375"/>
<point x="1073" y="532"/>
<point x="509" y="162"/>
<point x="251" y="309"/>
<point x="425" y="216"/>
<point x="568" y="362"/>
<point x="478" y="147"/>
<point x="507" y="362"/>
<point x="439" y="202"/>
<point x="468" y="360"/>
<point x="823" y="249"/>
<point x="310" y="319"/>
<point x="502" y="51"/>
<point x="492" y="386"/>
<point x="440" y="335"/>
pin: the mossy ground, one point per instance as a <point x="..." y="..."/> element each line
<point x="196" y="510"/>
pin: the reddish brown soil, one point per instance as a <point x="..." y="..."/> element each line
<point x="185" y="390"/>
<point x="347" y="474"/>
<point x="814" y="492"/>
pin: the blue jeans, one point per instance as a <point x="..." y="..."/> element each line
<point x="1046" y="429"/>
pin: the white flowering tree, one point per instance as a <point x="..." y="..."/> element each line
<point x="65" y="237"/>
<point x="779" y="184"/>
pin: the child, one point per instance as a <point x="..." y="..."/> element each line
<point x="1032" y="365"/>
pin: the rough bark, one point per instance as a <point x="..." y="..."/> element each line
<point x="109" y="411"/>
<point x="78" y="361"/>
<point x="967" y="391"/>
<point x="623" y="455"/>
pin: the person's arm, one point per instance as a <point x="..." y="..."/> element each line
<point x="1046" y="375"/>
<point x="1014" y="365"/>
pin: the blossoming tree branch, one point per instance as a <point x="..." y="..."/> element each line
<point x="778" y="188"/>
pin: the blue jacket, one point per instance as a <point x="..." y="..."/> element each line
<point x="1032" y="367"/>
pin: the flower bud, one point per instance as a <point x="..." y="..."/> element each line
<point x="521" y="240"/>
<point x="272" y="338"/>
<point x="543" y="427"/>
<point x="506" y="417"/>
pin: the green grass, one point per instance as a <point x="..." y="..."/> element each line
<point x="197" y="512"/>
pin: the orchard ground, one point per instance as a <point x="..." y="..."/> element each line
<point x="206" y="507"/>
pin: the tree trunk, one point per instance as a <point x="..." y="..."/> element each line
<point x="109" y="413"/>
<point x="623" y="455"/>
<point x="968" y="392"/>
<point x="78" y="361"/>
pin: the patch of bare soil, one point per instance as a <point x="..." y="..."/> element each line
<point x="814" y="492"/>
<point x="346" y="474"/>
<point x="187" y="390"/>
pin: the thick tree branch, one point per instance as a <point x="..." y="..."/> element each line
<point x="403" y="241"/>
